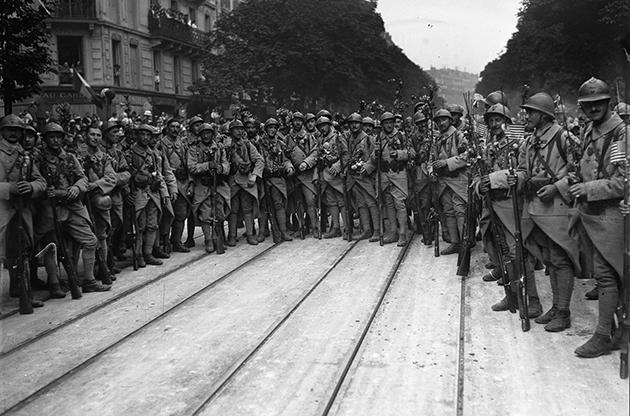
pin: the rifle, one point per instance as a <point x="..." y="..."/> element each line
<point x="68" y="262"/>
<point x="300" y="214"/>
<point x="24" y="283"/>
<point x="518" y="281"/>
<point x="271" y="215"/>
<point x="217" y="226"/>
<point x="320" y="206"/>
<point x="379" y="194"/>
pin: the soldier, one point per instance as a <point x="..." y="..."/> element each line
<point x="162" y="246"/>
<point x="101" y="179"/>
<point x="499" y="148"/>
<point x="66" y="181"/>
<point x="147" y="193"/>
<point x="302" y="149"/>
<point x="247" y="166"/>
<point x="495" y="97"/>
<point x="399" y="122"/>
<point x="450" y="161"/>
<point x="368" y="125"/>
<point x="20" y="181"/>
<point x="598" y="189"/>
<point x="457" y="111"/>
<point x="623" y="111"/>
<point x="205" y="161"/>
<point x="192" y="139"/>
<point x="543" y="163"/>
<point x="421" y="178"/>
<point x="310" y="122"/>
<point x="392" y="148"/>
<point x="175" y="152"/>
<point x="273" y="184"/>
<point x="361" y="184"/>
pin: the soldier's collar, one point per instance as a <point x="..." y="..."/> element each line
<point x="545" y="136"/>
<point x="10" y="148"/>
<point x="606" y="127"/>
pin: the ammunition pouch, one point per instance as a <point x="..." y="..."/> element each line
<point x="598" y="207"/>
<point x="533" y="185"/>
<point x="141" y="180"/>
<point x="181" y="174"/>
<point x="499" y="194"/>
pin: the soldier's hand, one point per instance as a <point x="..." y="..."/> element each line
<point x="13" y="188"/>
<point x="439" y="164"/>
<point x="393" y="154"/>
<point x="578" y="190"/>
<point x="290" y="171"/>
<point x="303" y="166"/>
<point x="624" y="208"/>
<point x="547" y="192"/>
<point x="173" y="197"/>
<point x="91" y="186"/>
<point x="24" y="188"/>
<point x="512" y="180"/>
<point x="72" y="193"/>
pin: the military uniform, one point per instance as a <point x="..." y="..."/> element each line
<point x="169" y="194"/>
<point x="420" y="179"/>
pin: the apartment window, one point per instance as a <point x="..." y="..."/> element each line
<point x="134" y="56"/>
<point x="174" y="5"/>
<point x="195" y="71"/>
<point x="157" y="69"/>
<point x="177" y="74"/>
<point x="192" y="15"/>
<point x="69" y="55"/>
<point x="116" y="61"/>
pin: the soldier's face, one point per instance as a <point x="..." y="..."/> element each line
<point x="496" y="123"/>
<point x="355" y="127"/>
<point x="53" y="140"/>
<point x="596" y="110"/>
<point x="144" y="138"/>
<point x="114" y="135"/>
<point x="251" y="131"/>
<point x="195" y="127"/>
<point x="444" y="123"/>
<point x="324" y="128"/>
<point x="533" y="118"/>
<point x="398" y="123"/>
<point x="12" y="134"/>
<point x="207" y="136"/>
<point x="388" y="126"/>
<point x="173" y="129"/>
<point x="310" y="125"/>
<point x="297" y="123"/>
<point x="30" y="139"/>
<point x="271" y="130"/>
<point x="94" y="137"/>
<point x="367" y="128"/>
<point x="237" y="132"/>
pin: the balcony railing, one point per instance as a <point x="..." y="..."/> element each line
<point x="173" y="27"/>
<point x="75" y="9"/>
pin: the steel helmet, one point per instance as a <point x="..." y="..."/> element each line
<point x="354" y="118"/>
<point x="235" y="124"/>
<point x="324" y="113"/>
<point x="192" y="121"/>
<point x="398" y="115"/>
<point x="53" y="127"/>
<point x="593" y="90"/>
<point x="442" y="113"/>
<point x="622" y="109"/>
<point x="11" y="120"/>
<point x="309" y="117"/>
<point x="541" y="102"/>
<point x="29" y="128"/>
<point x="206" y="126"/>
<point x="108" y="125"/>
<point x="419" y="117"/>
<point x="499" y="109"/>
<point x="249" y="120"/>
<point x="496" y="97"/>
<point x="102" y="202"/>
<point x="271" y="122"/>
<point x="323" y="120"/>
<point x="387" y="116"/>
<point x="145" y="127"/>
<point x="299" y="115"/>
<point x="455" y="109"/>
<point x="368" y="120"/>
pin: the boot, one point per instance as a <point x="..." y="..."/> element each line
<point x="427" y="233"/>
<point x="93" y="286"/>
<point x="332" y="233"/>
<point x="207" y="237"/>
<point x="534" y="308"/>
<point x="596" y="346"/>
<point x="160" y="253"/>
<point x="560" y="322"/>
<point x="262" y="224"/>
<point x="139" y="256"/>
<point x="177" y="230"/>
<point x="284" y="235"/>
<point x="348" y="229"/>
<point x="14" y="284"/>
<point x="376" y="223"/>
<point x="491" y="276"/>
<point x="335" y="230"/>
<point x="190" y="229"/>
<point x="364" y="216"/>
<point x="249" y="229"/>
<point x="55" y="291"/>
<point x="592" y="294"/>
<point x="178" y="247"/>
<point x="231" y="240"/>
<point x="451" y="224"/>
<point x="547" y="317"/>
<point x="150" y="260"/>
<point x="391" y="236"/>
<point x="147" y="247"/>
<point x="402" y="233"/>
<point x="501" y="306"/>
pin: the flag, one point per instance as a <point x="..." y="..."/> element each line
<point x="617" y="152"/>
<point x="82" y="87"/>
<point x="516" y="131"/>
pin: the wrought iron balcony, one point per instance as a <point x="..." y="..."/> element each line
<point x="75" y="9"/>
<point x="169" y="26"/>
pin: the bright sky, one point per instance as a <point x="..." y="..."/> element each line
<point x="466" y="34"/>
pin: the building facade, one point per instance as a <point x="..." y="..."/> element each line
<point x="148" y="51"/>
<point x="453" y="83"/>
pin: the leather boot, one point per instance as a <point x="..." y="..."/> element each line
<point x="139" y="256"/>
<point x="89" y="259"/>
<point x="94" y="286"/>
<point x="364" y="215"/>
<point x="451" y="224"/>
<point x="14" y="284"/>
<point x="560" y="322"/>
<point x="348" y="229"/>
<point x="282" y="224"/>
<point x="231" y="240"/>
<point x="105" y="274"/>
<point x="391" y="236"/>
<point x="207" y="237"/>
<point x="547" y="317"/>
<point x="160" y="253"/>
<point x="335" y="230"/>
<point x="147" y="248"/>
<point x="427" y="233"/>
<point x="376" y="222"/>
<point x="492" y="276"/>
<point x="55" y="291"/>
<point x="596" y="346"/>
<point x="249" y="229"/>
<point x="262" y="224"/>
<point x="534" y="308"/>
<point x="501" y="306"/>
<point x="402" y="233"/>
<point x="177" y="230"/>
<point x="190" y="229"/>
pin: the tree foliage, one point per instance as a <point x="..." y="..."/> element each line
<point x="24" y="53"/>
<point x="559" y="44"/>
<point x="332" y="51"/>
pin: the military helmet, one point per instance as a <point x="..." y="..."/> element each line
<point x="175" y="119"/>
<point x="368" y="120"/>
<point x="496" y="97"/>
<point x="354" y="118"/>
<point x="499" y="109"/>
<point x="442" y="113"/>
<point x="192" y="121"/>
<point x="299" y="115"/>
<point x="11" y="120"/>
<point x="323" y="120"/>
<point x="324" y="113"/>
<point x="53" y="127"/>
<point x="419" y="117"/>
<point x="145" y="127"/>
<point x="29" y="128"/>
<point x="249" y="120"/>
<point x="235" y="124"/>
<point x="108" y="125"/>
<point x="309" y="116"/>
<point x="593" y="90"/>
<point x="387" y="116"/>
<point x="398" y="115"/>
<point x="271" y="122"/>
<point x="541" y="102"/>
<point x="622" y="109"/>
<point x="102" y="202"/>
<point x="206" y="126"/>
<point x="455" y="109"/>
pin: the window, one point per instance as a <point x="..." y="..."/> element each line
<point x="174" y="5"/>
<point x="177" y="74"/>
<point x="134" y="57"/>
<point x="192" y="15"/>
<point x="195" y="71"/>
<point x="157" y="69"/>
<point x="69" y="55"/>
<point x="116" y="61"/>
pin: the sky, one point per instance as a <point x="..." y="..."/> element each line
<point x="466" y="34"/>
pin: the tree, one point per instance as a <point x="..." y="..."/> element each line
<point x="24" y="53"/>
<point x="335" y="51"/>
<point x="559" y="44"/>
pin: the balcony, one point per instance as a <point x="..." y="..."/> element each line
<point x="172" y="29"/>
<point x="75" y="10"/>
